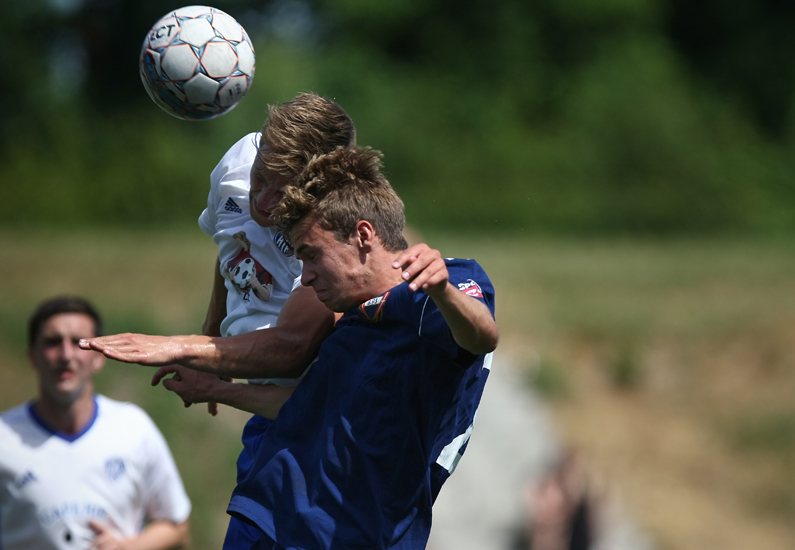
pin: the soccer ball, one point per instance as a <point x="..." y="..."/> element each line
<point x="197" y="63"/>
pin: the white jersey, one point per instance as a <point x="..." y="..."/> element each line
<point x="258" y="266"/>
<point x="117" y="471"/>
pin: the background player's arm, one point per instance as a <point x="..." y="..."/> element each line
<point x="282" y="351"/>
<point x="157" y="535"/>
<point x="470" y="321"/>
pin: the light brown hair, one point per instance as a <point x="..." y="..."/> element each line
<point x="305" y="126"/>
<point x="341" y="188"/>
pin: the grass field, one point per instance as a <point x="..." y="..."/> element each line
<point x="669" y="365"/>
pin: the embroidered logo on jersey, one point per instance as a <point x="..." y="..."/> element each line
<point x="24" y="479"/>
<point x="231" y="206"/>
<point x="114" y="467"/>
<point x="282" y="244"/>
<point x="249" y="277"/>
<point x="373" y="309"/>
<point x="471" y="288"/>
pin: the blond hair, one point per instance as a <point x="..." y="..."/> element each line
<point x="297" y="130"/>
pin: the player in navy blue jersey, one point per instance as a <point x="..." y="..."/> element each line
<point x="351" y="459"/>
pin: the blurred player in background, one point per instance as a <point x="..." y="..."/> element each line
<point x="79" y="470"/>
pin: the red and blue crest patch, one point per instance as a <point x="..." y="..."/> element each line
<point x="373" y="309"/>
<point x="471" y="288"/>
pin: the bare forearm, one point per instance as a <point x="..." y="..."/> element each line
<point x="264" y="400"/>
<point x="283" y="351"/>
<point x="272" y="353"/>
<point x="160" y="535"/>
<point x="470" y="321"/>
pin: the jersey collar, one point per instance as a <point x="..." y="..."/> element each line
<point x="65" y="436"/>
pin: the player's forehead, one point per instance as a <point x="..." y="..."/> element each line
<point x="68" y="324"/>
<point x="307" y="235"/>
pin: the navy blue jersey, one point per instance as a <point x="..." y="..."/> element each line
<point x="358" y="453"/>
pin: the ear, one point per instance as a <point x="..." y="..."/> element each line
<point x="364" y="236"/>
<point x="97" y="362"/>
<point x="32" y="359"/>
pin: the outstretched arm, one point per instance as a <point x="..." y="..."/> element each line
<point x="199" y="387"/>
<point x="283" y="351"/>
<point x="470" y="321"/>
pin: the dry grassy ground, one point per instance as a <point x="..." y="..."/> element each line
<point x="670" y="366"/>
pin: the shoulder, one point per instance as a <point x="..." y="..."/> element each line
<point x="243" y="151"/>
<point x="470" y="278"/>
<point x="240" y="156"/>
<point x="121" y="412"/>
<point x="15" y="416"/>
<point x="462" y="267"/>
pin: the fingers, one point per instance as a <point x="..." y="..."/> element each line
<point x="103" y="539"/>
<point x="176" y="385"/>
<point x="162" y="372"/>
<point x="96" y="527"/>
<point x="134" y="348"/>
<point x="89" y="344"/>
<point x="99" y="343"/>
<point x="212" y="407"/>
<point x="172" y="384"/>
<point x="409" y="255"/>
<point x="423" y="267"/>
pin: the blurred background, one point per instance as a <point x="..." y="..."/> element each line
<point x="624" y="170"/>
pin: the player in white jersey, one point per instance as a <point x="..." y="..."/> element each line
<point x="79" y="470"/>
<point x="257" y="278"/>
<point x="258" y="267"/>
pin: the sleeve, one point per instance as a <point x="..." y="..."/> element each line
<point x="229" y="180"/>
<point x="401" y="305"/>
<point x="209" y="218"/>
<point x="164" y="496"/>
<point x="296" y="282"/>
<point x="469" y="278"/>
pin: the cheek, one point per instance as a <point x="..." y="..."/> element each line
<point x="51" y="356"/>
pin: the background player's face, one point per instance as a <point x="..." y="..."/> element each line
<point x="333" y="269"/>
<point x="265" y="193"/>
<point x="63" y="368"/>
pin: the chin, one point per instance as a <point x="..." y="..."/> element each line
<point x="261" y="219"/>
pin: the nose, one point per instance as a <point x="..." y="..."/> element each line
<point x="69" y="349"/>
<point x="267" y="199"/>
<point x="307" y="275"/>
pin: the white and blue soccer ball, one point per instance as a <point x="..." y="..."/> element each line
<point x="197" y="62"/>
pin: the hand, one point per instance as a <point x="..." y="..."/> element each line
<point x="104" y="539"/>
<point x="135" y="348"/>
<point x="423" y="267"/>
<point x="192" y="386"/>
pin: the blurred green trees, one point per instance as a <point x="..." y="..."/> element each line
<point x="569" y="117"/>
